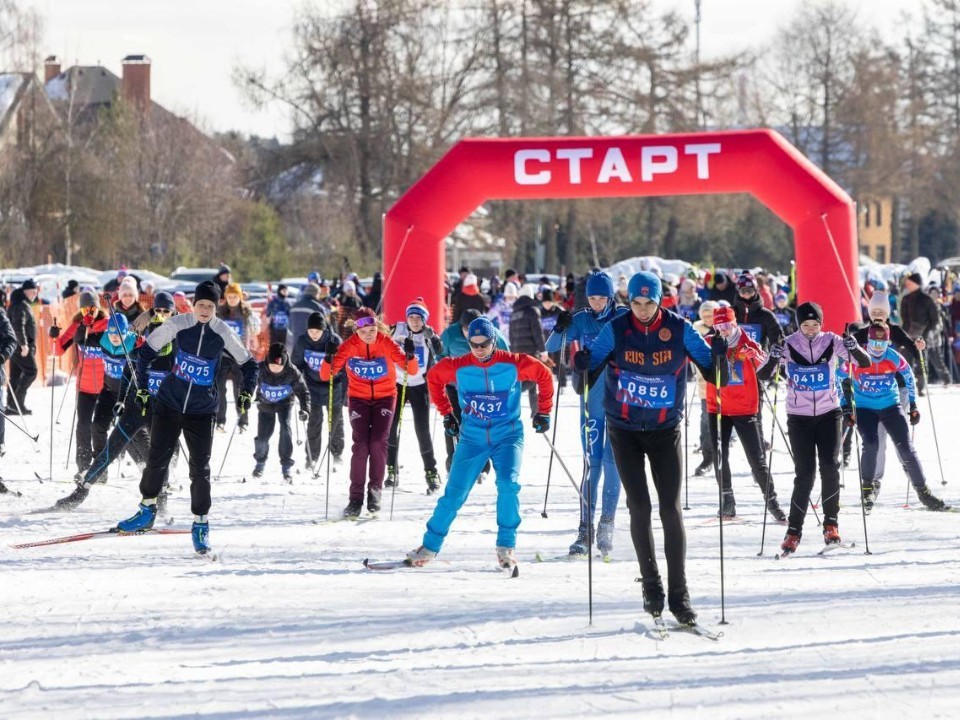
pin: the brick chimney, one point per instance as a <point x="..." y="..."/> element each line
<point x="51" y="68"/>
<point x="136" y="82"/>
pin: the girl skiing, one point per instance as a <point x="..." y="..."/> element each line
<point x="308" y="354"/>
<point x="279" y="382"/>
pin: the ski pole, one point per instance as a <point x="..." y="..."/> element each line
<point x="23" y="418"/>
<point x="936" y="441"/>
<point x="66" y="388"/>
<point x="307" y="436"/>
<point x="779" y="427"/>
<point x="766" y="494"/>
<point x="53" y="370"/>
<point x="588" y="501"/>
<point x="563" y="465"/>
<point x="326" y="507"/>
<point x="556" y="412"/>
<point x="403" y="400"/>
<point x="686" y="448"/>
<point x="863" y="507"/>
<point x="227" y="453"/>
<point x="76" y="405"/>
<point x="296" y="427"/>
<point x="718" y="460"/>
<point x="18" y="427"/>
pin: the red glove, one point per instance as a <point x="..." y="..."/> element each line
<point x="88" y="319"/>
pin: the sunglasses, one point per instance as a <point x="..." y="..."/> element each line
<point x="724" y="327"/>
<point x="366" y="322"/>
<point x="481" y="345"/>
<point x="89" y="309"/>
<point x="162" y="311"/>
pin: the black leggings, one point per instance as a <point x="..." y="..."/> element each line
<point x="748" y="430"/>
<point x="812" y="438"/>
<point x="662" y="448"/>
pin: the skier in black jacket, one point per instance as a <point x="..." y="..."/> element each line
<point x="279" y="383"/>
<point x="23" y="363"/>
<point x="308" y="353"/>
<point x="757" y="323"/>
<point x="8" y="346"/>
<point x="526" y="336"/>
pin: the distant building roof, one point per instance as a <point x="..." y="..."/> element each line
<point x="12" y="87"/>
<point x="91" y="84"/>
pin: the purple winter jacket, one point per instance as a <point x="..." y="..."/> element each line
<point x="810" y="366"/>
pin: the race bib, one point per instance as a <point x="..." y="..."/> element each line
<point x="276" y="393"/>
<point x="193" y="369"/>
<point x="368" y="369"/>
<point x="420" y="351"/>
<point x="689" y="312"/>
<point x="548" y="324"/>
<point x="647" y="391"/>
<point x="313" y="359"/>
<point x="752" y="331"/>
<point x="875" y="385"/>
<point x="783" y="318"/>
<point x="235" y="325"/>
<point x="486" y="406"/>
<point x="281" y="320"/>
<point x="154" y="378"/>
<point x="735" y="372"/>
<point x="90" y="352"/>
<point x="808" y="377"/>
<point x="113" y="367"/>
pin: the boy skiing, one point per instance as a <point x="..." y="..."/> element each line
<point x="309" y="350"/>
<point x="279" y="382"/>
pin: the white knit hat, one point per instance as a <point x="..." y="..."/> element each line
<point x="879" y="305"/>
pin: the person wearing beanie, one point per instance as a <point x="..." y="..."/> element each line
<point x="550" y="311"/>
<point x="182" y="302"/>
<point x="23" y="362"/>
<point x="428" y="349"/>
<point x="722" y="288"/>
<point x="237" y="314"/>
<point x="186" y="402"/>
<point x="688" y="301"/>
<point x="737" y="407"/>
<point x="873" y="395"/>
<point x="306" y="305"/>
<point x="278" y="315"/>
<point x="644" y="393"/>
<point x="488" y="384"/>
<point x="348" y="308"/>
<point x="455" y="344"/>
<point x="127" y="301"/>
<point x="469" y="297"/>
<point x="131" y="433"/>
<point x="526" y="335"/>
<point x="371" y="358"/>
<point x="309" y="350"/>
<point x="785" y="315"/>
<point x="222" y="278"/>
<point x="278" y="382"/>
<point x="703" y="326"/>
<point x="582" y="328"/>
<point x="921" y="320"/>
<point x="84" y="332"/>
<point x="72" y="288"/>
<point x="810" y="360"/>
<point x="759" y="323"/>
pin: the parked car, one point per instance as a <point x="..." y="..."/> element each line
<point x="193" y="275"/>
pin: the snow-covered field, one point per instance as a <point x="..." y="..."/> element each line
<point x="289" y="624"/>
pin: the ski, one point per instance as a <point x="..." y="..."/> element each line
<point x="567" y="557"/>
<point x="511" y="570"/>
<point x="386" y="565"/>
<point x="783" y="554"/>
<point x="697" y="629"/>
<point x="101" y="534"/>
<point x="835" y="546"/>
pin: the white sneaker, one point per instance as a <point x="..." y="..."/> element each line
<point x="420" y="557"/>
<point x="506" y="557"/>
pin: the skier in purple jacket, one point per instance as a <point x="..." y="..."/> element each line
<point x="809" y="357"/>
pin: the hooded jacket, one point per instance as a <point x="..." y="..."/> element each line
<point x="307" y="357"/>
<point x="759" y="324"/>
<point x="277" y="390"/>
<point x="526" y="332"/>
<point x="8" y="343"/>
<point x="22" y="319"/>
<point x="90" y="370"/>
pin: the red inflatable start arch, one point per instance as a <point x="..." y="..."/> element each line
<point x="759" y="162"/>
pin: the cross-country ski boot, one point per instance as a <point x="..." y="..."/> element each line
<point x="391" y="476"/>
<point x="200" y="533"/>
<point x="605" y="536"/>
<point x="653" y="597"/>
<point x="581" y="546"/>
<point x="352" y="510"/>
<point x="728" y="508"/>
<point x="258" y="470"/>
<point x="831" y="535"/>
<point x="930" y="501"/>
<point x="506" y="557"/>
<point x="679" y="601"/>
<point x="419" y="557"/>
<point x="773" y="507"/>
<point x="869" y="498"/>
<point x="433" y="481"/>
<point x="789" y="544"/>
<point x="73" y="500"/>
<point x="143" y="520"/>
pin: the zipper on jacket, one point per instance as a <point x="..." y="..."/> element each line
<point x="810" y="344"/>
<point x="186" y="398"/>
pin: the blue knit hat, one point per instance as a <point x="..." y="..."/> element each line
<point x="645" y="285"/>
<point x="118" y="324"/>
<point x="481" y="327"/>
<point x="419" y="307"/>
<point x="599" y="283"/>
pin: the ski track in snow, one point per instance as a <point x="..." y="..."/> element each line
<point x="288" y="624"/>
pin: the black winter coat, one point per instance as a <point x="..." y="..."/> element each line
<point x="8" y="343"/>
<point x="919" y="314"/>
<point x="754" y="313"/>
<point x="277" y="390"/>
<point x="22" y="319"/>
<point x="526" y="330"/>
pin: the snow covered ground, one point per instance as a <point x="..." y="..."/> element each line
<point x="290" y="625"/>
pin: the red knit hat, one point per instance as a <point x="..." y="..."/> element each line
<point x="724" y="315"/>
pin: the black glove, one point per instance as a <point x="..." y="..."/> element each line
<point x="849" y="419"/>
<point x="581" y="361"/>
<point x="428" y="332"/>
<point x="408" y="347"/>
<point x="55" y="332"/>
<point x="118" y="409"/>
<point x="450" y="425"/>
<point x="850" y="342"/>
<point x="244" y="401"/>
<point x="142" y="399"/>
<point x="564" y="319"/>
<point x="914" y="414"/>
<point x="304" y="415"/>
<point x="331" y="349"/>
<point x="436" y="345"/>
<point x="776" y="352"/>
<point x="541" y="422"/>
<point x="719" y="346"/>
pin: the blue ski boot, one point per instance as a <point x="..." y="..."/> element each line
<point x="201" y="537"/>
<point x="143" y="520"/>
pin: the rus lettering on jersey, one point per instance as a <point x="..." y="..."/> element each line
<point x="633" y="356"/>
<point x="661" y="357"/>
<point x="540" y="166"/>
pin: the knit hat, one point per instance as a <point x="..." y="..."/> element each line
<point x="233" y="289"/>
<point x="281" y="287"/>
<point x="879" y="305"/>
<point x="129" y="284"/>
<point x="28" y="284"/>
<point x="277" y="354"/>
<point x="546" y="295"/>
<point x="469" y="280"/>
<point x="645" y="285"/>
<point x="365" y="312"/>
<point x="418" y="307"/>
<point x="746" y="280"/>
<point x="349" y="286"/>
<point x="311" y="291"/>
<point x="314" y="277"/>
<point x="600" y="284"/>
<point x="809" y="311"/>
<point x="224" y="268"/>
<point x="707" y="306"/>
<point x="118" y="324"/>
<point x="468" y="317"/>
<point x="915" y="279"/>
<point x="481" y="327"/>
<point x="781" y="296"/>
<point x="723" y="315"/>
<point x="88" y="298"/>
<point x="316" y="321"/>
<point x="207" y="290"/>
<point x="163" y="301"/>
